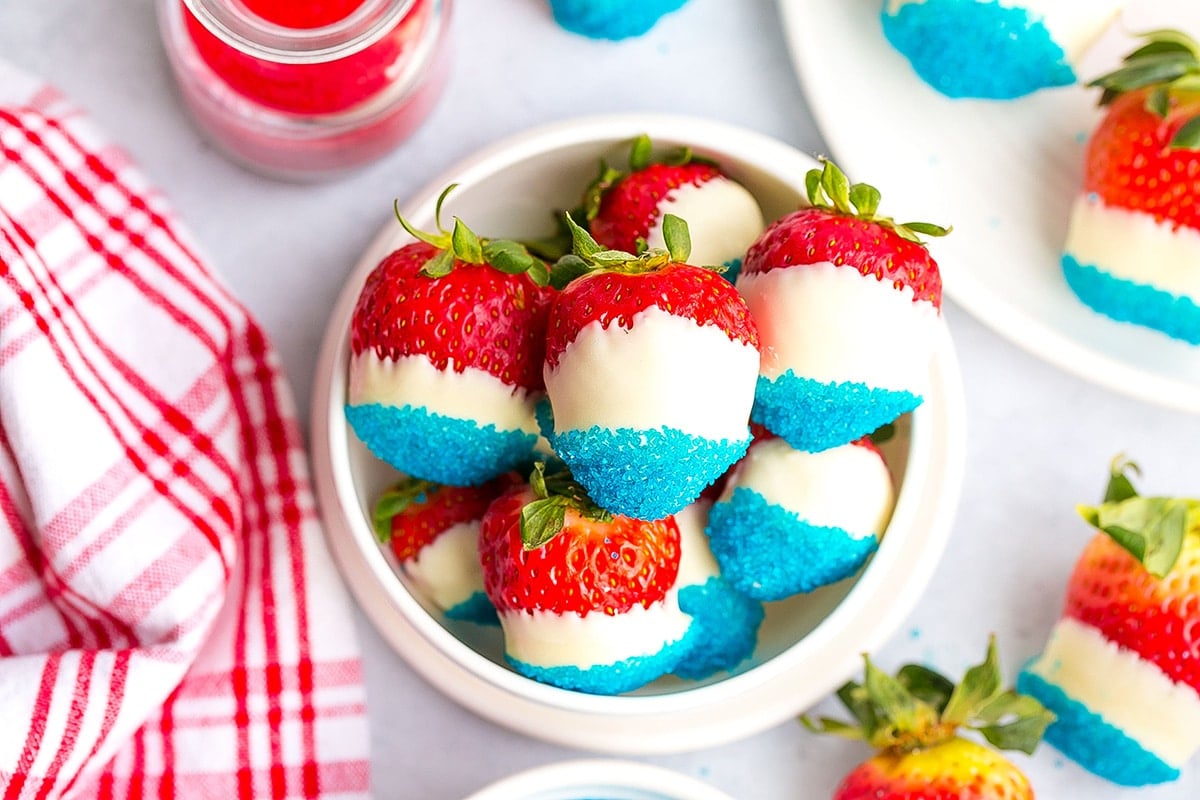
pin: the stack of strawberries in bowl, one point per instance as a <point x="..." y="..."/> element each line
<point x="701" y="442"/>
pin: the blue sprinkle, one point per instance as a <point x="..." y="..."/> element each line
<point x="813" y="416"/>
<point x="1085" y="737"/>
<point x="914" y="634"/>
<point x="769" y="553"/>
<point x="1081" y="137"/>
<point x="733" y="268"/>
<point x="477" y="608"/>
<point x="622" y="676"/>
<point x="1137" y="303"/>
<point x="645" y="474"/>
<point x="611" y="19"/>
<point x="438" y="448"/>
<point x="978" y="49"/>
<point x="724" y="628"/>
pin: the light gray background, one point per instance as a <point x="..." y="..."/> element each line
<point x="1039" y="440"/>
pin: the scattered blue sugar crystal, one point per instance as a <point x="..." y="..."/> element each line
<point x="733" y="268"/>
<point x="1137" y="303"/>
<point x="724" y="629"/>
<point x="975" y="48"/>
<point x="611" y="19"/>
<point x="646" y="474"/>
<point x="769" y="553"/>
<point x="438" y="448"/>
<point x="814" y="416"/>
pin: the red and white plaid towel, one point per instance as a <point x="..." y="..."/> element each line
<point x="169" y="623"/>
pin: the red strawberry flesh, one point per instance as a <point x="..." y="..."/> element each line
<point x="817" y="236"/>
<point x="630" y="208"/>
<point x="589" y="567"/>
<point x="1159" y="619"/>
<point x="475" y="316"/>
<point x="1130" y="165"/>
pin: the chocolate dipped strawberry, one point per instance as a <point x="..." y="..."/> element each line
<point x="446" y="345"/>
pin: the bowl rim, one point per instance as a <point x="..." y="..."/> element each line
<point x="668" y="722"/>
<point x="598" y="774"/>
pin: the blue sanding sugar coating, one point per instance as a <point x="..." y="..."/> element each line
<point x="438" y="448"/>
<point x="1138" y="303"/>
<point x="645" y="474"/>
<point x="724" y="629"/>
<point x="617" y="678"/>
<point x="972" y="48"/>
<point x="611" y="19"/>
<point x="477" y="608"/>
<point x="1094" y="744"/>
<point x="769" y="553"/>
<point x="813" y="416"/>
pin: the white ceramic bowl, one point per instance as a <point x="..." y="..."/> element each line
<point x="599" y="779"/>
<point x="808" y="645"/>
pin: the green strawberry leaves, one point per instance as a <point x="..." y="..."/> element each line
<point x="556" y="491"/>
<point x="1168" y="63"/>
<point x="461" y="244"/>
<point x="829" y="188"/>
<point x="1151" y="529"/>
<point x="395" y="501"/>
<point x="589" y="256"/>
<point x="921" y="708"/>
<point x="641" y="156"/>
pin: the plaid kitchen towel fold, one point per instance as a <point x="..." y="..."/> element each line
<point x="170" y="625"/>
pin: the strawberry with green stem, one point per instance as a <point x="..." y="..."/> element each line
<point x="1132" y="250"/>
<point x="585" y="597"/>
<point x="1122" y="666"/>
<point x="913" y="721"/>
<point x="446" y="342"/>
<point x="650" y="371"/>
<point x="848" y="305"/>
<point x="626" y="210"/>
<point x="433" y="530"/>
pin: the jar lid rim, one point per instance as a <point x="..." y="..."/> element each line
<point x="231" y="22"/>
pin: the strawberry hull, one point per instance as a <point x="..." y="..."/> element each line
<point x="1130" y="267"/>
<point x="724" y="628"/>
<point x="790" y="522"/>
<point x="968" y="48"/>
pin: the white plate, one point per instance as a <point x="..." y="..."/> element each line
<point x="807" y="646"/>
<point x="1003" y="174"/>
<point x="599" y="778"/>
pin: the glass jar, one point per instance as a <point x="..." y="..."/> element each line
<point x="307" y="91"/>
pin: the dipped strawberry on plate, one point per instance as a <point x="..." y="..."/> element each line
<point x="650" y="371"/>
<point x="1133" y="247"/>
<point x="626" y="210"/>
<point x="1122" y="667"/>
<point x="913" y="721"/>
<point x="586" y="598"/>
<point x="847" y="304"/>
<point x="446" y="356"/>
